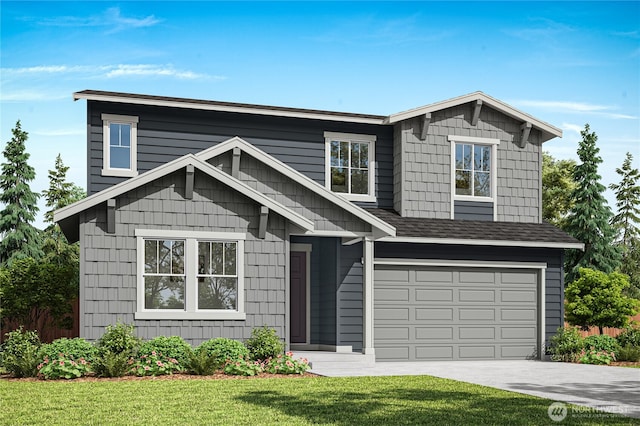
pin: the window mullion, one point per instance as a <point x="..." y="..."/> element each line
<point x="190" y="270"/>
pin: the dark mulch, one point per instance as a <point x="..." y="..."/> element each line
<point x="179" y="376"/>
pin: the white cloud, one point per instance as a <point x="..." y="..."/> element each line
<point x="30" y="95"/>
<point x="572" y="127"/>
<point x="111" y="19"/>
<point x="109" y="71"/>
<point x="59" y="132"/>
<point x="575" y="107"/>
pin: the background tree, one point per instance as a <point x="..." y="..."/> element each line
<point x="60" y="194"/>
<point x="596" y="299"/>
<point x="627" y="222"/>
<point x="589" y="217"/>
<point x="557" y="185"/>
<point x="20" y="238"/>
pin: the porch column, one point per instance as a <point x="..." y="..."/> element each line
<point x="367" y="296"/>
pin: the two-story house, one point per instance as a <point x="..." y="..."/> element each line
<point x="412" y="236"/>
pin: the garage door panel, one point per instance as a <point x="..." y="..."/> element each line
<point x="476" y="314"/>
<point x="518" y="332"/>
<point x="477" y="277"/>
<point x="391" y="275"/>
<point x="433" y="333"/>
<point x="442" y="276"/>
<point x="432" y="353"/>
<point x="517" y="352"/>
<point x="396" y="353"/>
<point x="393" y="295"/>
<point x="401" y="314"/>
<point x="523" y="296"/>
<point x="454" y="313"/>
<point x="472" y="333"/>
<point x="518" y="314"/>
<point x="476" y="352"/>
<point x="436" y="295"/>
<point x="434" y="314"/>
<point x="476" y="295"/>
<point x="524" y="277"/>
<point x="392" y="333"/>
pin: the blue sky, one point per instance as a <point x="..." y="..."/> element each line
<point x="567" y="63"/>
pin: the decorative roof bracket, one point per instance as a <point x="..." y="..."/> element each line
<point x="426" y="120"/>
<point x="525" y="131"/>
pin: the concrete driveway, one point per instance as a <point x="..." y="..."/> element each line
<point x="611" y="389"/>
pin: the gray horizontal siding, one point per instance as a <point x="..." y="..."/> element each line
<point x="554" y="288"/>
<point x="472" y="210"/>
<point x="108" y="279"/>
<point x="168" y="133"/>
<point x="350" y="305"/>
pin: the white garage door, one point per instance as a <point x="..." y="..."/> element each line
<point x="424" y="313"/>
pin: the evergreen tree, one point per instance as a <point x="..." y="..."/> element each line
<point x="627" y="222"/>
<point x="557" y="185"/>
<point x="60" y="194"/>
<point x="588" y="220"/>
<point x="627" y="192"/>
<point x="20" y="238"/>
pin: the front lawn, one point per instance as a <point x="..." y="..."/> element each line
<point x="316" y="400"/>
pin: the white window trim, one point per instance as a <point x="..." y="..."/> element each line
<point x="351" y="137"/>
<point x="190" y="312"/>
<point x="107" y="170"/>
<point x="494" y="171"/>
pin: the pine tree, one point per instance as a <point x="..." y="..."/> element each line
<point x="588" y="220"/>
<point x="20" y="238"/>
<point x="60" y="191"/>
<point x="627" y="222"/>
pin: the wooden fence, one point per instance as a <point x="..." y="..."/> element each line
<point x="613" y="332"/>
<point x="49" y="333"/>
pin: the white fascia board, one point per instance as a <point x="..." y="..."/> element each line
<point x="470" y="242"/>
<point x="237" y="142"/>
<point x="226" y="108"/>
<point x="494" y="103"/>
<point x="171" y="167"/>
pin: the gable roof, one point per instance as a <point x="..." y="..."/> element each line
<point x="548" y="131"/>
<point x="68" y="216"/>
<point x="311" y="185"/>
<point x="476" y="232"/>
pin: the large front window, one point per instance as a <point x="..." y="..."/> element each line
<point x="350" y="164"/>
<point x="190" y="275"/>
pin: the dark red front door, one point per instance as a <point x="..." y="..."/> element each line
<point x="298" y="297"/>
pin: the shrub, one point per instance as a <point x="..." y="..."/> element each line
<point x="115" y="349"/>
<point x="202" y="364"/>
<point x="602" y="342"/>
<point x="243" y="367"/>
<point x="173" y="347"/>
<point x="285" y="364"/>
<point x="629" y="353"/>
<point x="594" y="356"/>
<point x="222" y="349"/>
<point x="566" y="345"/>
<point x="155" y="364"/>
<point x="74" y="349"/>
<point x="630" y="336"/>
<point x="20" y="353"/>
<point x="264" y="343"/>
<point x="63" y="367"/>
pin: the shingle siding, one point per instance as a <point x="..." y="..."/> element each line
<point x="109" y="278"/>
<point x="423" y="189"/>
<point x="554" y="284"/>
<point x="165" y="134"/>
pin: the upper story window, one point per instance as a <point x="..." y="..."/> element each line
<point x="190" y="275"/>
<point x="119" y="146"/>
<point x="350" y="165"/>
<point x="473" y="167"/>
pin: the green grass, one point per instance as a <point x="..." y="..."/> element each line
<point x="300" y="401"/>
